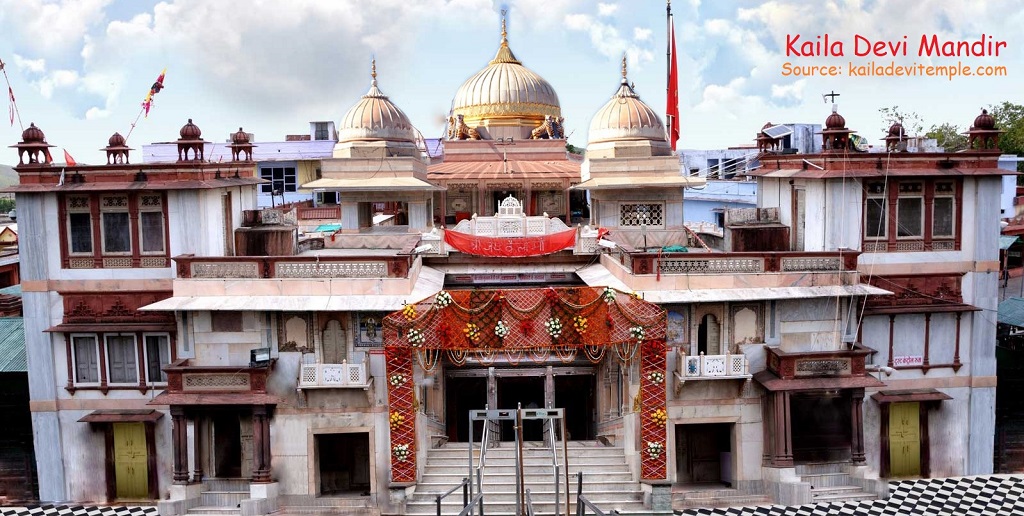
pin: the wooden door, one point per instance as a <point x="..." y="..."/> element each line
<point x="245" y="434"/>
<point x="905" y="439"/>
<point x="335" y="349"/>
<point x="131" y="471"/>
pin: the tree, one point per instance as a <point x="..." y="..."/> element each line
<point x="572" y="149"/>
<point x="948" y="136"/>
<point x="1010" y="118"/>
<point x="912" y="123"/>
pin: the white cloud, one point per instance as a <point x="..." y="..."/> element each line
<point x="793" y="91"/>
<point x="641" y="34"/>
<point x="606" y="9"/>
<point x="57" y="79"/>
<point x="609" y="42"/>
<point x="50" y="28"/>
<point x="30" y="65"/>
<point x="95" y="113"/>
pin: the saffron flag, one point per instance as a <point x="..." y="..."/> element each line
<point x="672" y="104"/>
<point x="153" y="90"/>
<point x="69" y="160"/>
<point x="10" y="107"/>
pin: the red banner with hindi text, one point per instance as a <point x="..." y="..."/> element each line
<point x="510" y="246"/>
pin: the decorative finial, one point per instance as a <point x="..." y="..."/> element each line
<point x="373" y="68"/>
<point x="623" y="66"/>
<point x="504" y="31"/>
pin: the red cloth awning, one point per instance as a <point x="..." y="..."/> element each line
<point x="510" y="246"/>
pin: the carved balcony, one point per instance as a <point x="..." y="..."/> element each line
<point x="642" y="262"/>
<point x="334" y="376"/>
<point x="710" y="367"/>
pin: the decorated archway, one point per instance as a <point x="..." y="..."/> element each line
<point x="525" y="324"/>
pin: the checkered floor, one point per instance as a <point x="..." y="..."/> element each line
<point x="998" y="495"/>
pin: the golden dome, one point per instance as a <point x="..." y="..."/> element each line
<point x="375" y="117"/>
<point x="626" y="117"/>
<point x="505" y="89"/>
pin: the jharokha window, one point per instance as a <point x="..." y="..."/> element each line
<point x="114" y="230"/>
<point x="118" y="360"/>
<point x="912" y="215"/>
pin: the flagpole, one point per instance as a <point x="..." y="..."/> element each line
<point x="668" y="64"/>
<point x="10" y="93"/>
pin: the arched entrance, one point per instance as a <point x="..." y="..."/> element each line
<point x="523" y="325"/>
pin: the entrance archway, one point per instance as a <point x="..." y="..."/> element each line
<point x="524" y="324"/>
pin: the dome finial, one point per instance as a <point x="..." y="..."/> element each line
<point x="504" y="30"/>
<point x="624" y="68"/>
<point x="373" y="69"/>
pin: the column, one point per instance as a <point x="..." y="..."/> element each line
<point x="179" y="445"/>
<point x="549" y="388"/>
<point x="260" y="444"/>
<point x="857" y="419"/>
<point x="197" y="449"/>
<point x="418" y="216"/>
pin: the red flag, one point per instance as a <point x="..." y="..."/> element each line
<point x="10" y="107"/>
<point x="672" y="104"/>
<point x="69" y="160"/>
<point x="153" y="90"/>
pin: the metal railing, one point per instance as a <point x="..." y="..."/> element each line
<point x="464" y="485"/>
<point x="582" y="503"/>
<point x="529" y="505"/>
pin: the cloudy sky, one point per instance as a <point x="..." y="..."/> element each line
<point x="80" y="68"/>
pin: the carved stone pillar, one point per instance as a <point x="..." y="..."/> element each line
<point x="857" y="419"/>
<point x="260" y="444"/>
<point x="197" y="449"/>
<point x="782" y="433"/>
<point x="179" y="445"/>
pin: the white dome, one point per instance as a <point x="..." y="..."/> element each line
<point x="625" y="117"/>
<point x="375" y="117"/>
<point x="505" y="88"/>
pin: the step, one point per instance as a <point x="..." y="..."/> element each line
<point x="538" y="492"/>
<point x="849" y="496"/>
<point x="511" y="461"/>
<point x="540" y="507"/>
<point x="537" y="487"/>
<point x="822" y="467"/>
<point x="826" y="479"/>
<point x="223" y="498"/>
<point x="490" y="469"/>
<point x="214" y="511"/>
<point x="226" y="484"/>
<point x="451" y="479"/>
<point x="726" y="501"/>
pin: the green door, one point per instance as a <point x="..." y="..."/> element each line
<point x="131" y="463"/>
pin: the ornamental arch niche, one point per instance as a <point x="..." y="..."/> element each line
<point x="523" y="325"/>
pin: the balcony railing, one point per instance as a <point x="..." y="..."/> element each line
<point x="641" y="262"/>
<point x="710" y="367"/>
<point x="182" y="377"/>
<point x="326" y="376"/>
<point x="290" y="267"/>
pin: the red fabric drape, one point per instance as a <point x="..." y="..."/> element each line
<point x="510" y="246"/>
<point x="672" y="105"/>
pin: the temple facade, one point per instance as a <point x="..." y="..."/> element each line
<point x="191" y="349"/>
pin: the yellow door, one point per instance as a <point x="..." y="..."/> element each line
<point x="131" y="475"/>
<point x="905" y="440"/>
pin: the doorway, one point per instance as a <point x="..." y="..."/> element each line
<point x="464" y="393"/>
<point x="527" y="392"/>
<point x="709" y="336"/>
<point x="344" y="462"/>
<point x="227" y="445"/>
<point x="905" y="439"/>
<point x="575" y="393"/>
<point x="822" y="430"/>
<point x="704" y="454"/>
<point x="131" y="461"/>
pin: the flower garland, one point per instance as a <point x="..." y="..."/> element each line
<point x="659" y="416"/>
<point x="396" y="420"/>
<point x="409" y="311"/>
<point x="397" y="379"/>
<point x="637" y="332"/>
<point x="472" y="332"/>
<point x="442" y="299"/>
<point x="554" y="327"/>
<point x="415" y="337"/>
<point x="608" y="295"/>
<point x="501" y="330"/>
<point x="656" y="376"/>
<point x="401" y="452"/>
<point x="654" y="449"/>
<point x="579" y="323"/>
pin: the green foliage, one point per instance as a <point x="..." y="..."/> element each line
<point x="572" y="149"/>
<point x="948" y="137"/>
<point x="911" y="121"/>
<point x="6" y="205"/>
<point x="1010" y="118"/>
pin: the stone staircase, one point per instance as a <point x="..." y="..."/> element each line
<point x="305" y="505"/>
<point x="686" y="497"/>
<point x="607" y="481"/>
<point x="221" y="497"/>
<point x="830" y="483"/>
